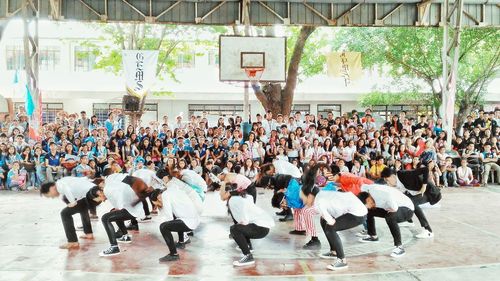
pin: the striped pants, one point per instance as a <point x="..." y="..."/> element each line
<point x="303" y="219"/>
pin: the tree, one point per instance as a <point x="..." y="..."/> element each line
<point x="279" y="98"/>
<point x="171" y="41"/>
<point x="416" y="53"/>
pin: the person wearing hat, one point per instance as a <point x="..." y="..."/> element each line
<point x="339" y="211"/>
<point x="251" y="221"/>
<point x="390" y="204"/>
<point x="182" y="215"/>
<point x="73" y="191"/>
<point x="413" y="183"/>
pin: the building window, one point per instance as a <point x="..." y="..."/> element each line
<point x="224" y="110"/>
<point x="302" y="108"/>
<point x="49" y="58"/>
<point x="49" y="110"/>
<point x="14" y="57"/>
<point x="324" y="109"/>
<point x="386" y="111"/>
<point x="186" y="60"/>
<point x="84" y="59"/>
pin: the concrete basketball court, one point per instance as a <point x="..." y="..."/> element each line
<point x="466" y="246"/>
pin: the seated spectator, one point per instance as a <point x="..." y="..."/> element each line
<point x="489" y="159"/>
<point x="83" y="169"/>
<point x="464" y="174"/>
<point x="449" y="172"/>
<point x="377" y="168"/>
<point x="16" y="177"/>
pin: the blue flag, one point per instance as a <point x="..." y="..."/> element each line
<point x="29" y="104"/>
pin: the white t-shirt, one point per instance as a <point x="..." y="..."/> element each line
<point x="177" y="202"/>
<point x="331" y="205"/>
<point x="145" y="175"/>
<point x="387" y="198"/>
<point x="73" y="188"/>
<point x="192" y="178"/>
<point x="190" y="192"/>
<point x="246" y="212"/>
<point x="286" y="168"/>
<point x="122" y="196"/>
<point x="464" y="173"/>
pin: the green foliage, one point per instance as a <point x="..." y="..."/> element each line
<point x="172" y="41"/>
<point x="416" y="53"/>
<point x="384" y="98"/>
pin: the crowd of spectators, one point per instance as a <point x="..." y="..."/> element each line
<point x="77" y="145"/>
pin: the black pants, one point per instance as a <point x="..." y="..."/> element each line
<point x="252" y="190"/>
<point x="243" y="233"/>
<point x="166" y="230"/>
<point x="118" y="216"/>
<point x="343" y="222"/>
<point x="417" y="200"/>
<point x="392" y="219"/>
<point x="67" y="219"/>
<point x="145" y="207"/>
<point x="92" y="208"/>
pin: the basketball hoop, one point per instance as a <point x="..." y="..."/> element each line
<point x="254" y="73"/>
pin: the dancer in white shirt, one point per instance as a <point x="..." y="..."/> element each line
<point x="251" y="221"/>
<point x="73" y="191"/>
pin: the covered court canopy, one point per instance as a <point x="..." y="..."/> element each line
<point x="291" y="12"/>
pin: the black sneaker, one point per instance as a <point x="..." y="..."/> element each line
<point x="338" y="265"/>
<point x="287" y="218"/>
<point x="369" y="239"/>
<point x="190" y="233"/>
<point x="125" y="239"/>
<point x="79" y="228"/>
<point x="282" y="213"/>
<point x="329" y="256"/>
<point x="169" y="258"/>
<point x="246" y="260"/>
<point x="297" y="232"/>
<point x="133" y="227"/>
<point x="230" y="236"/>
<point x="313" y="244"/>
<point x="145" y="219"/>
<point x="111" y="251"/>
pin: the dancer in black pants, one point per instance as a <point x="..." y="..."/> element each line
<point x="251" y="221"/>
<point x="339" y="211"/>
<point x="72" y="190"/>
<point x="125" y="202"/>
<point x="391" y="204"/>
<point x="181" y="212"/>
<point x="413" y="183"/>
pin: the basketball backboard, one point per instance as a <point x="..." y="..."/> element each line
<point x="238" y="53"/>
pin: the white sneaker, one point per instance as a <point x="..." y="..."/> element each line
<point x="425" y="234"/>
<point x="340" y="264"/>
<point x="398" y="252"/>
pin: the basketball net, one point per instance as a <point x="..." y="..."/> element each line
<point x="254" y="74"/>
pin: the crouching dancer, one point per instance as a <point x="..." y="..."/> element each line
<point x="388" y="203"/>
<point x="72" y="191"/>
<point x="125" y="202"/>
<point x="181" y="214"/>
<point x="251" y="221"/>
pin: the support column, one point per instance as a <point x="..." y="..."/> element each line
<point x="452" y="27"/>
<point x="30" y="14"/>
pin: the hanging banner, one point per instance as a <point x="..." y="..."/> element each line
<point x="344" y="64"/>
<point x="139" y="69"/>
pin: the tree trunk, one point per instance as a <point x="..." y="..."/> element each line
<point x="273" y="96"/>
